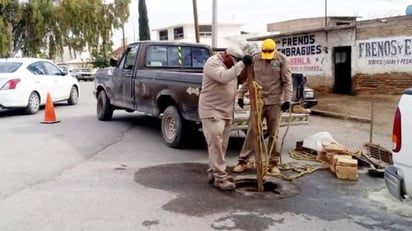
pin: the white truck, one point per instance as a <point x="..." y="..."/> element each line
<point x="398" y="177"/>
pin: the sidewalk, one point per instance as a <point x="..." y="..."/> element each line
<point x="358" y="108"/>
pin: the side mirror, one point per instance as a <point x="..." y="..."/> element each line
<point x="113" y="62"/>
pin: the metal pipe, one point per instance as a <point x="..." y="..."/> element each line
<point x="214" y="24"/>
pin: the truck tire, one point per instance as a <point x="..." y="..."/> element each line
<point x="172" y="127"/>
<point x="104" y="108"/>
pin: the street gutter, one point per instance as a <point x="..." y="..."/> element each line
<point x="340" y="116"/>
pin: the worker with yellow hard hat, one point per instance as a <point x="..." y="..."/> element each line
<point x="271" y="71"/>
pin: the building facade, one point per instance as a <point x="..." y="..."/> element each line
<point x="348" y="56"/>
<point x="227" y="33"/>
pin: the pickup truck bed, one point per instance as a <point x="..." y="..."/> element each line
<point x="398" y="177"/>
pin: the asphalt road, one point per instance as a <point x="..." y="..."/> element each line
<point x="84" y="174"/>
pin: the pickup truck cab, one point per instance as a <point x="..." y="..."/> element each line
<point x="398" y="177"/>
<point x="161" y="79"/>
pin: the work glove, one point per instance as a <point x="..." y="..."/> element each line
<point x="285" y="106"/>
<point x="240" y="103"/>
<point x="247" y="60"/>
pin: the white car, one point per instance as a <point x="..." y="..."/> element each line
<point x="398" y="177"/>
<point x="25" y="82"/>
<point x="82" y="74"/>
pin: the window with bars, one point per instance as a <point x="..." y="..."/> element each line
<point x="178" y="33"/>
<point x="205" y="30"/>
<point x="163" y="35"/>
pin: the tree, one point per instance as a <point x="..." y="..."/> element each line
<point x="41" y="28"/>
<point x="144" y="31"/>
<point x="83" y="29"/>
<point x="9" y="17"/>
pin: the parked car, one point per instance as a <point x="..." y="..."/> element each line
<point x="398" y="177"/>
<point x="82" y="74"/>
<point x="302" y="94"/>
<point x="25" y="82"/>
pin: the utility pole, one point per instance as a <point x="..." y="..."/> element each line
<point x="123" y="39"/>
<point x="326" y="13"/>
<point x="214" y="24"/>
<point x="196" y="21"/>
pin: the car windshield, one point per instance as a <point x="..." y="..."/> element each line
<point x="9" y="67"/>
<point x="84" y="70"/>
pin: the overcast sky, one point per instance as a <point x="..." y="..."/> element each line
<point x="254" y="15"/>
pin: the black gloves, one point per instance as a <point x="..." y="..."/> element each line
<point x="285" y="106"/>
<point x="247" y="60"/>
<point x="240" y="103"/>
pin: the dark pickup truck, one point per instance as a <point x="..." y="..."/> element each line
<point x="161" y="79"/>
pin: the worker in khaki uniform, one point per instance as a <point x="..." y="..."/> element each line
<point x="271" y="71"/>
<point x="216" y="109"/>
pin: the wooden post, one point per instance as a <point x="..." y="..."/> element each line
<point x="371" y="125"/>
<point x="254" y="118"/>
<point x="196" y="21"/>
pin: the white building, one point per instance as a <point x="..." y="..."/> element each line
<point x="227" y="34"/>
<point x="72" y="58"/>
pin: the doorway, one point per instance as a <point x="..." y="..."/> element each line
<point x="343" y="79"/>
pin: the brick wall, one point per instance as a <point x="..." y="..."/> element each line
<point x="385" y="83"/>
<point x="384" y="27"/>
<point x="390" y="81"/>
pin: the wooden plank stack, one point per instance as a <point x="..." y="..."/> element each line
<point x="340" y="161"/>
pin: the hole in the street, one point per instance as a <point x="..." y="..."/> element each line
<point x="251" y="185"/>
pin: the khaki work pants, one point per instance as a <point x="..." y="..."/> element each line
<point x="272" y="115"/>
<point x="217" y="133"/>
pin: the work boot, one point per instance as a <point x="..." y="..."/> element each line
<point x="225" y="185"/>
<point x="211" y="178"/>
<point x="240" y="167"/>
<point x="274" y="170"/>
<point x="273" y="166"/>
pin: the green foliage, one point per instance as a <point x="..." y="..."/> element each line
<point x="41" y="28"/>
<point x="100" y="62"/>
<point x="9" y="14"/>
<point x="144" y="31"/>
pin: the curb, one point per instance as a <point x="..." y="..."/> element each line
<point x="340" y="116"/>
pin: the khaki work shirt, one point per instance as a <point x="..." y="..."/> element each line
<point x="275" y="78"/>
<point x="219" y="86"/>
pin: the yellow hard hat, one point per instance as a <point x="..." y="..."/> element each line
<point x="268" y="49"/>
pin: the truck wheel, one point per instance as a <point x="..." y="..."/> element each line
<point x="104" y="108"/>
<point x="172" y="127"/>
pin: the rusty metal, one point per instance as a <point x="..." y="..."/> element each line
<point x="379" y="154"/>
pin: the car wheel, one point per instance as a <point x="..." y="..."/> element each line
<point x="33" y="104"/>
<point x="104" y="108"/>
<point x="172" y="127"/>
<point x="74" y="96"/>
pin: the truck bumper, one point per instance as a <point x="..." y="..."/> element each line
<point x="241" y="120"/>
<point x="308" y="103"/>
<point x="394" y="182"/>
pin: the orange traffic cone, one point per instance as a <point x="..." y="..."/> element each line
<point x="49" y="115"/>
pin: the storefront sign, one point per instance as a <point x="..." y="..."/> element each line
<point x="303" y="51"/>
<point x="385" y="55"/>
